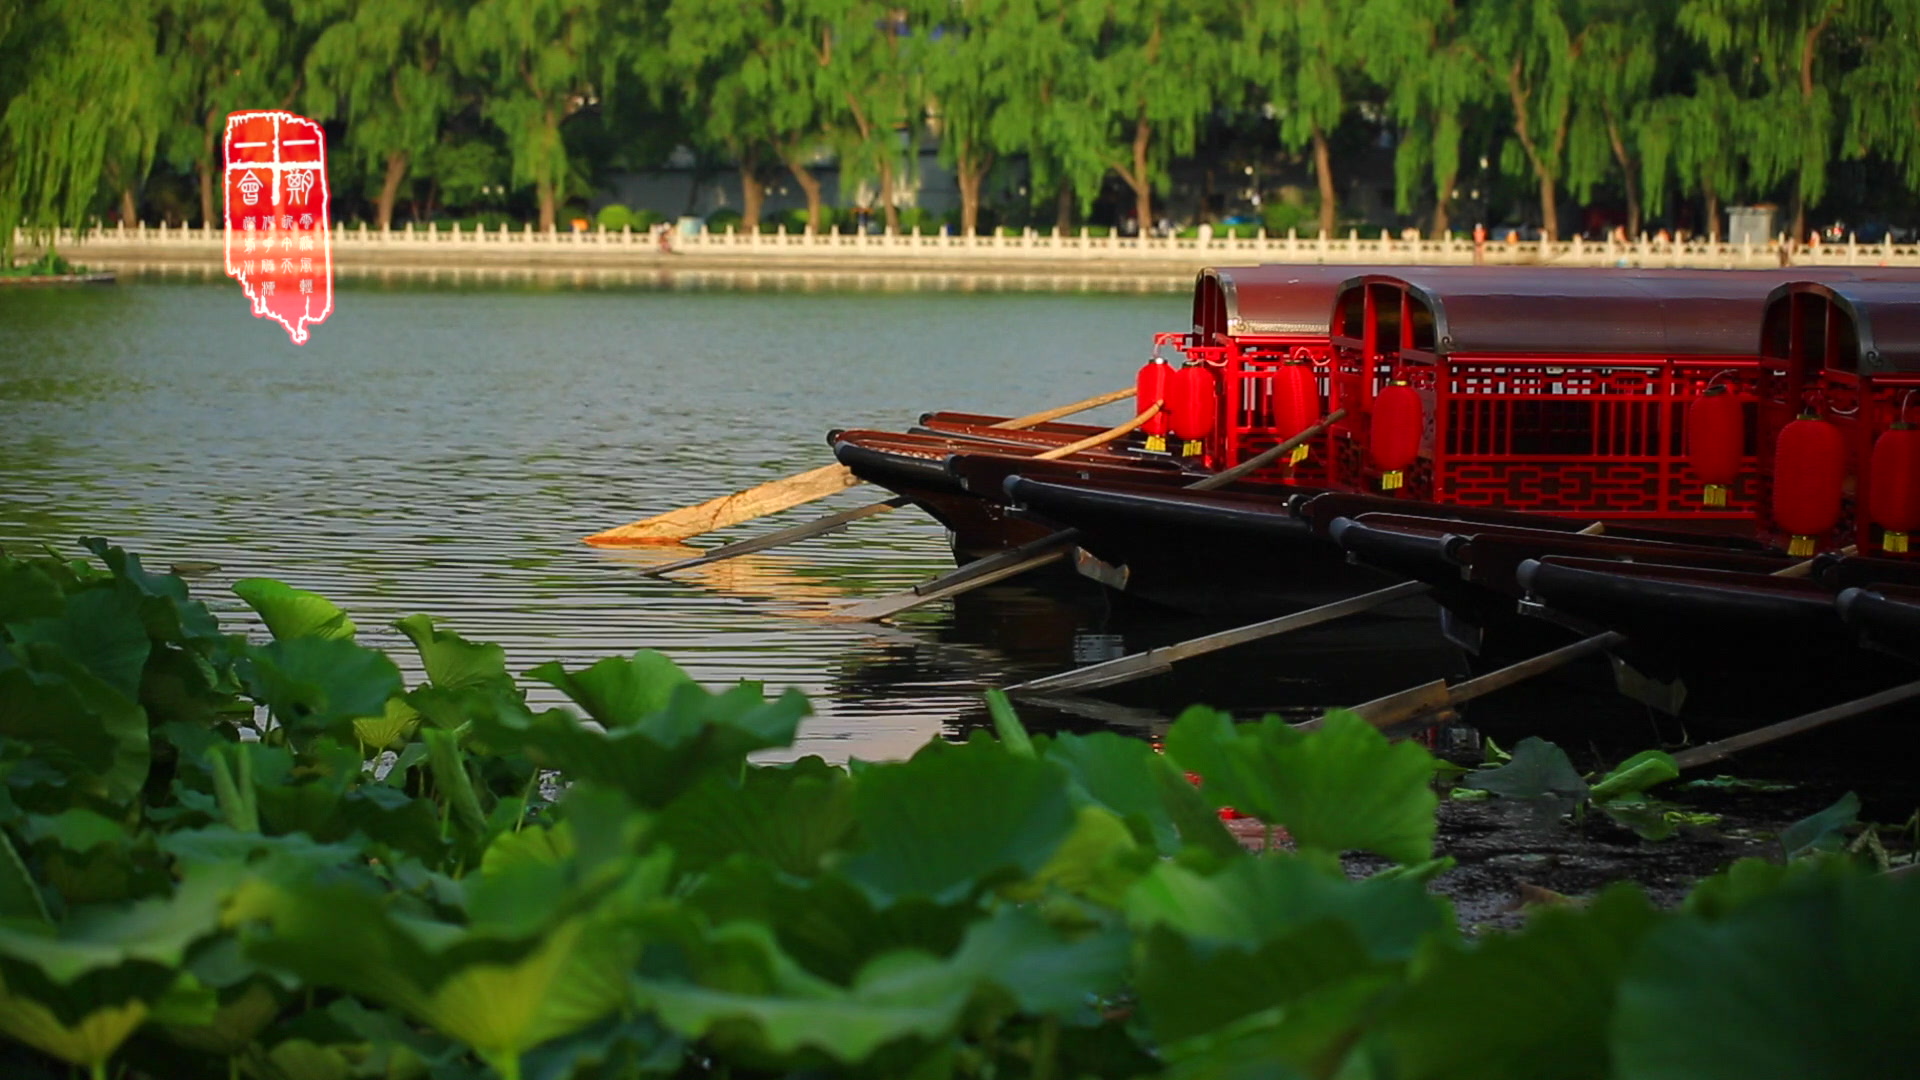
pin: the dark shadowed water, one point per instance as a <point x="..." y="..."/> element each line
<point x="441" y="449"/>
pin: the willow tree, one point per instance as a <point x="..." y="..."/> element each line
<point x="386" y="68"/>
<point x="1883" y="92"/>
<point x="542" y="62"/>
<point x="1153" y="71"/>
<point x="1695" y="138"/>
<point x="1782" y="56"/>
<point x="1526" y="49"/>
<point x="870" y="91"/>
<point x="1419" y="51"/>
<point x="81" y="92"/>
<point x="1301" y="54"/>
<point x="1618" y="42"/>
<point x="218" y="57"/>
<point x="968" y="57"/>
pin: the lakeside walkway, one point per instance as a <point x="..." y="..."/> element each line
<point x="361" y="249"/>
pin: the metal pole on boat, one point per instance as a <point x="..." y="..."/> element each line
<point x="1038" y="553"/>
<point x="784" y="494"/>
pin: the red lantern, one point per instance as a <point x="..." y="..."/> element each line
<point x="1894" y="501"/>
<point x="1398" y="418"/>
<point x="1809" y="467"/>
<point x="1196" y="407"/>
<point x="1716" y="433"/>
<point x="1296" y="403"/>
<point x="1153" y="385"/>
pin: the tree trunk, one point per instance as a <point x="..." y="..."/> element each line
<point x="810" y="184"/>
<point x="889" y="212"/>
<point x="390" y="189"/>
<point x="1713" y="210"/>
<point x="129" y="210"/>
<point x="752" y="195"/>
<point x="1138" y="179"/>
<point x="1063" y="209"/>
<point x="1441" y="222"/>
<point x="1799" y="213"/>
<point x="970" y="172"/>
<point x="1549" y="213"/>
<point x="543" y="191"/>
<point x="205" y="168"/>
<point x="1323" y="168"/>
<point x="546" y="187"/>
<point x="1626" y="174"/>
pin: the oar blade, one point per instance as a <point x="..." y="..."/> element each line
<point x="769" y="498"/>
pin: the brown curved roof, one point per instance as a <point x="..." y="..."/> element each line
<point x="1885" y="316"/>
<point x="1297" y="300"/>
<point x="1572" y="313"/>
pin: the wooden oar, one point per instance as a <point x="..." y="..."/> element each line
<point x="1725" y="748"/>
<point x="1038" y="553"/>
<point x="1154" y="661"/>
<point x="777" y="495"/>
<point x="834" y="522"/>
<point x="1435" y="701"/>
<point x="792" y="534"/>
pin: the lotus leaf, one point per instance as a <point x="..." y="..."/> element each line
<point x="1340" y="787"/>
<point x="1117" y="773"/>
<point x="169" y="615"/>
<point x="1098" y="860"/>
<point x="1824" y="831"/>
<point x="1551" y="986"/>
<point x="19" y="896"/>
<point x="955" y="819"/>
<point x="27" y="592"/>
<point x="1253" y="901"/>
<point x="1189" y="989"/>
<point x="1634" y="775"/>
<point x="396" y="721"/>
<point x="76" y="723"/>
<point x="1537" y="770"/>
<point x="791" y="815"/>
<point x="320" y="684"/>
<point x="618" y="692"/>
<point x="1818" y="978"/>
<point x="450" y="660"/>
<point x="294" y="613"/>
<point x="99" y="629"/>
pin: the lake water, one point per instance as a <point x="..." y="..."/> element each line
<point x="442" y="448"/>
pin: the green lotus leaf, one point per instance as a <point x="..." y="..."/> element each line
<point x="1824" y="831"/>
<point x="75" y="722"/>
<point x="1818" y="978"/>
<point x="1551" y="985"/>
<point x="759" y="996"/>
<point x="1098" y="860"/>
<point x="1117" y="773"/>
<point x="27" y="592"/>
<point x="169" y="614"/>
<point x="78" y="830"/>
<point x="292" y="613"/>
<point x="1538" y="770"/>
<point x="19" y="897"/>
<point x="157" y="932"/>
<point x="100" y="630"/>
<point x="395" y="722"/>
<point x="1634" y="775"/>
<point x="791" y="815"/>
<point x="829" y="925"/>
<point x="452" y="661"/>
<point x="618" y="692"/>
<point x="1253" y="901"/>
<point x="87" y="1041"/>
<point x="1188" y="989"/>
<point x="654" y="761"/>
<point x="548" y="845"/>
<point x="320" y="684"/>
<point x="238" y="1018"/>
<point x="454" y="783"/>
<point x="614" y="1047"/>
<point x="1338" y="788"/>
<point x="955" y="819"/>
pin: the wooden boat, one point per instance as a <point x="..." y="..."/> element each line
<point x="1884" y="618"/>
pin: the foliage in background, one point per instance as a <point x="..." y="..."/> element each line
<point x="286" y="859"/>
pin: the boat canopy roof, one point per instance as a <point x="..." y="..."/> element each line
<point x="1265" y="301"/>
<point x="1870" y="327"/>
<point x="1562" y="312"/>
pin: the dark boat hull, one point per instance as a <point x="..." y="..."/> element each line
<point x="1883" y="622"/>
<point x="1199" y="551"/>
<point x="1738" y="645"/>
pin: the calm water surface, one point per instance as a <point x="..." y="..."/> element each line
<point x="442" y="450"/>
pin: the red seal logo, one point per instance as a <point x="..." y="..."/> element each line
<point x="277" y="239"/>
